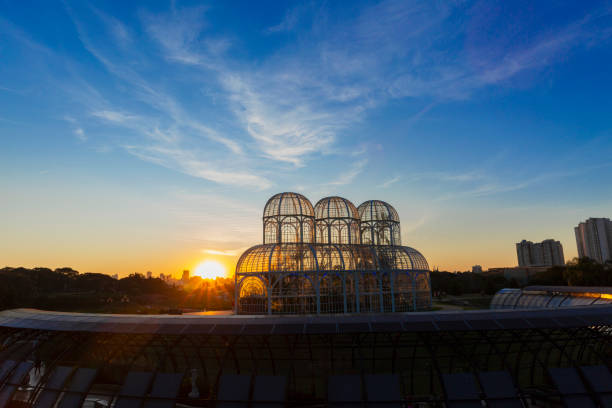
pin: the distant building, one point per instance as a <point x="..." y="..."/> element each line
<point x="594" y="239"/>
<point x="149" y="274"/>
<point x="185" y="277"/>
<point x="546" y="253"/>
<point x="115" y="276"/>
<point x="476" y="269"/>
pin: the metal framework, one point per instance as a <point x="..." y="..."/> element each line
<point x="539" y="297"/>
<point x="420" y="349"/>
<point x="337" y="221"/>
<point x="288" y="217"/>
<point x="380" y="224"/>
<point x="332" y="258"/>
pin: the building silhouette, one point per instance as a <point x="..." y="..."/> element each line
<point x="546" y="253"/>
<point x="594" y="239"/>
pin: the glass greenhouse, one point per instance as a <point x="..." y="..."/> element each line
<point x="550" y="297"/>
<point x="330" y="258"/>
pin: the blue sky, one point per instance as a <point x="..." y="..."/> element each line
<point x="149" y="136"/>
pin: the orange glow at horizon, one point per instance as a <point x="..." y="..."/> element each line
<point x="210" y="269"/>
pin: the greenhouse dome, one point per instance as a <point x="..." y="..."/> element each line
<point x="288" y="217"/>
<point x="337" y="221"/>
<point x="380" y="224"/>
<point x="326" y="269"/>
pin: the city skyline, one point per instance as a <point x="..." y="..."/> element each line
<point x="145" y="137"/>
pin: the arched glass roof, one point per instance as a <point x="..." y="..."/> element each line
<point x="335" y="207"/>
<point x="550" y="297"/>
<point x="376" y="210"/>
<point x="288" y="204"/>
<point x="316" y="257"/>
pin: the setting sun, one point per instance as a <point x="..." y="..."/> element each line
<point x="210" y="270"/>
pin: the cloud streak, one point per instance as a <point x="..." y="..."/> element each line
<point x="349" y="176"/>
<point x="233" y="252"/>
<point x="254" y="119"/>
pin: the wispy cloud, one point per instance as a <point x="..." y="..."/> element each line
<point x="80" y="134"/>
<point x="460" y="176"/>
<point x="248" y="119"/>
<point x="233" y="252"/>
<point x="174" y="139"/>
<point x="492" y="185"/>
<point x="390" y="182"/>
<point x="112" y="116"/>
<point x="289" y="21"/>
<point x="189" y="163"/>
<point x="349" y="176"/>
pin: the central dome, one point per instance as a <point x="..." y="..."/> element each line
<point x="336" y="221"/>
<point x="335" y="207"/>
<point x="288" y="218"/>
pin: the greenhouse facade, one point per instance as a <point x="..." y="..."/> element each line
<point x="330" y="258"/>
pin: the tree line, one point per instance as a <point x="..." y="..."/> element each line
<point x="68" y="290"/>
<point x="577" y="272"/>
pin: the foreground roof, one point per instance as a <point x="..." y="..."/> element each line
<point x="195" y="360"/>
<point x="311" y="324"/>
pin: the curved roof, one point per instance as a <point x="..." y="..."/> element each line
<point x="335" y="207"/>
<point x="376" y="210"/>
<point x="536" y="297"/>
<point x="472" y="320"/>
<point x="327" y="257"/>
<point x="288" y="204"/>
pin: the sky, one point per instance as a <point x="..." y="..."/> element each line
<point x="147" y="136"/>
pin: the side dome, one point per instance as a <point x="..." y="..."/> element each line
<point x="288" y="218"/>
<point x="376" y="210"/>
<point x="380" y="224"/>
<point x="337" y="221"/>
<point x="288" y="204"/>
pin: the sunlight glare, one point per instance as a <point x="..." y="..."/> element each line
<point x="210" y="270"/>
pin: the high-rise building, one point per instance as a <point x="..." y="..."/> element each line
<point x="546" y="253"/>
<point x="185" y="277"/>
<point x="476" y="269"/>
<point x="594" y="239"/>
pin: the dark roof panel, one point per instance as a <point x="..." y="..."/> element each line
<point x="282" y="325"/>
<point x="257" y="329"/>
<point x="386" y="326"/>
<point x="514" y="323"/>
<point x="171" y="328"/>
<point x="542" y="323"/>
<point x="321" y="328"/>
<point x="288" y="329"/>
<point x="227" y="329"/>
<point x="484" y="324"/>
<point x="420" y="326"/>
<point x="361" y="327"/>
<point x="198" y="329"/>
<point x="452" y="325"/>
